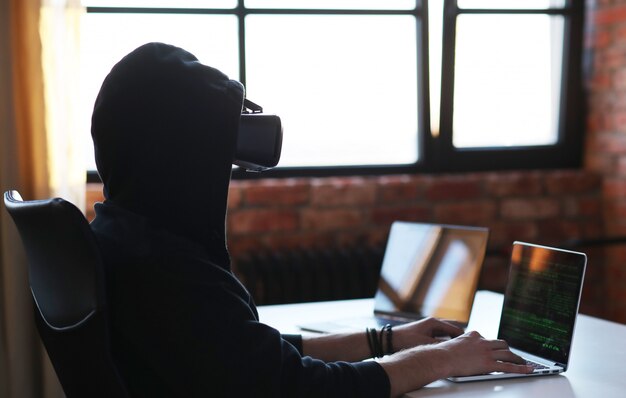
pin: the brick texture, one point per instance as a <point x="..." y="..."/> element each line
<point x="549" y="208"/>
<point x="606" y="156"/>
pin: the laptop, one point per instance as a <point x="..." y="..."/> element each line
<point x="540" y="308"/>
<point x="427" y="270"/>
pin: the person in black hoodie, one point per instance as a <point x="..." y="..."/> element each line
<point x="164" y="128"/>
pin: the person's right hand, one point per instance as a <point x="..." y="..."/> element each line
<point x="467" y="354"/>
<point x="471" y="354"/>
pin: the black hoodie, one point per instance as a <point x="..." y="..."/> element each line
<point x="164" y="129"/>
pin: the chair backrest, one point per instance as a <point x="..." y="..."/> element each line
<point x="66" y="278"/>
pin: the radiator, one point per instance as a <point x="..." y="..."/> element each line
<point x="303" y="275"/>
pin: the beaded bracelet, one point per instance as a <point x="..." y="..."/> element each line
<point x="376" y="348"/>
<point x="375" y="341"/>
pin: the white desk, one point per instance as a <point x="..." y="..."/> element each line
<point x="597" y="364"/>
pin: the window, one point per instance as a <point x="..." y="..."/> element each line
<point x="511" y="91"/>
<point x="366" y="86"/>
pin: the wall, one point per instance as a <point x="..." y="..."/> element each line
<point x="606" y="134"/>
<point x="542" y="207"/>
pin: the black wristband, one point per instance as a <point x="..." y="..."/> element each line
<point x="369" y="342"/>
<point x="375" y="346"/>
<point x="380" y="340"/>
<point x="389" y="334"/>
<point x="375" y="343"/>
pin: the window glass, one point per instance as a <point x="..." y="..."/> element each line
<point x="507" y="80"/>
<point x="344" y="86"/>
<point x="511" y="4"/>
<point x="211" y="38"/>
<point x="345" y="82"/>
<point x="333" y="4"/>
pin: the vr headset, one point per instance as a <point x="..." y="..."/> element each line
<point x="260" y="139"/>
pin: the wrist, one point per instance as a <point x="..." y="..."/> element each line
<point x="380" y="341"/>
<point x="416" y="367"/>
<point x="440" y="361"/>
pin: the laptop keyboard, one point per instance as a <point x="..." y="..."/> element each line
<point x="535" y="365"/>
<point x="380" y="321"/>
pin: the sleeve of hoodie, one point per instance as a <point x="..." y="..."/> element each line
<point x="295" y="340"/>
<point x="233" y="354"/>
<point x="260" y="362"/>
<point x="280" y="370"/>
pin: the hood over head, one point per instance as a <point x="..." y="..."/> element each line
<point x="164" y="129"/>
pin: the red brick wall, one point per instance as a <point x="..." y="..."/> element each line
<point x="606" y="137"/>
<point x="542" y="207"/>
<point x="547" y="206"/>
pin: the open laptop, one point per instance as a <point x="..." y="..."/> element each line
<point x="427" y="270"/>
<point x="540" y="308"/>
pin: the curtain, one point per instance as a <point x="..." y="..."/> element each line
<point x="60" y="36"/>
<point x="39" y="158"/>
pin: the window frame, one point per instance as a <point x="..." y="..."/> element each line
<point x="567" y="151"/>
<point x="241" y="12"/>
<point x="435" y="153"/>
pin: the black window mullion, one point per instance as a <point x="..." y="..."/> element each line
<point x="241" y="22"/>
<point x="513" y="11"/>
<point x="425" y="140"/>
<point x="443" y="144"/>
<point x="157" y="10"/>
<point x="572" y="115"/>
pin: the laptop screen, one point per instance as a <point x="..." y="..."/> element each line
<point x="430" y="270"/>
<point x="541" y="300"/>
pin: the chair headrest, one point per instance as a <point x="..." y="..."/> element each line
<point x="64" y="263"/>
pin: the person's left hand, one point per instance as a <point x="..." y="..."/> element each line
<point x="425" y="331"/>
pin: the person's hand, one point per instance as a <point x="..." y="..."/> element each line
<point x="467" y="354"/>
<point x="425" y="331"/>
<point x="471" y="354"/>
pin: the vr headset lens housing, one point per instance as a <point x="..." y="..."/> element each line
<point x="260" y="139"/>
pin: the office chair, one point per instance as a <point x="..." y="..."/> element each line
<point x="66" y="278"/>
